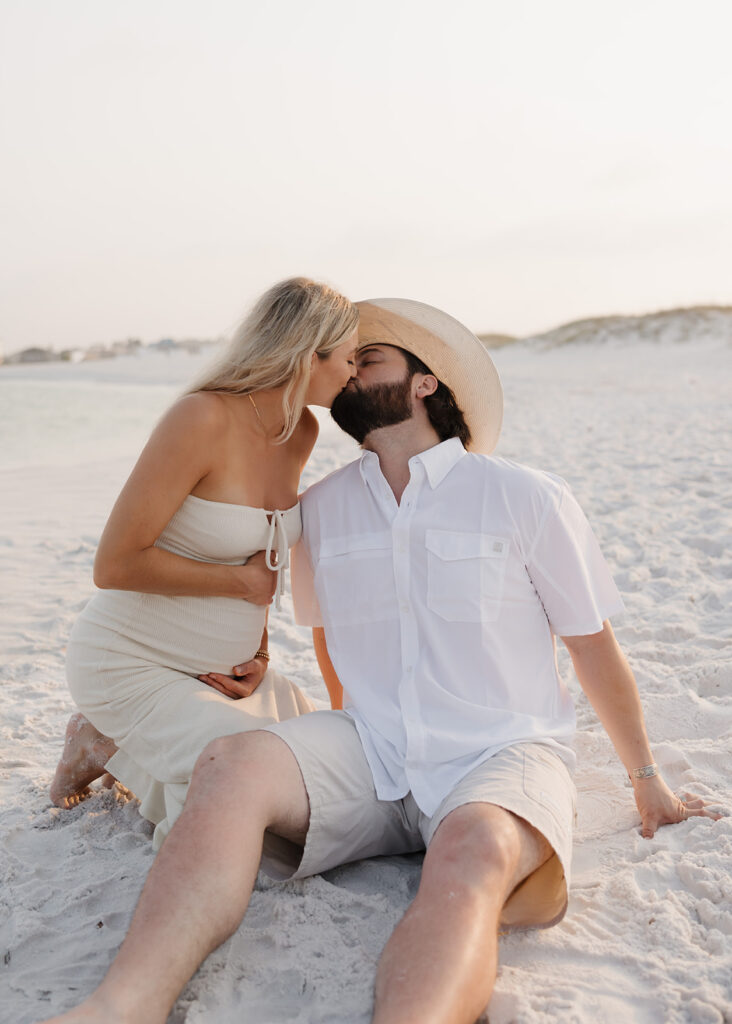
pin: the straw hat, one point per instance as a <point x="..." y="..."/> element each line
<point x="450" y="350"/>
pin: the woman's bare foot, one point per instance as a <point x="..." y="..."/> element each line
<point x="80" y="1015"/>
<point x="85" y="754"/>
<point x="90" y="1012"/>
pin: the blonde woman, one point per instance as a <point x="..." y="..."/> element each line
<point x="194" y="550"/>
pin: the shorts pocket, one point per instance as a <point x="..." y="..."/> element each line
<point x="547" y="782"/>
<point x="354" y="579"/>
<point x="465" y="575"/>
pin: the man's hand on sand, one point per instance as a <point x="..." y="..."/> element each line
<point x="658" y="805"/>
<point x="242" y="683"/>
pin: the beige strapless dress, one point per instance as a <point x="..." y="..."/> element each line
<point x="133" y="658"/>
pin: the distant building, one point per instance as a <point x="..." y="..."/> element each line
<point x="98" y="352"/>
<point x="32" y="355"/>
<point x="130" y="346"/>
<point x="127" y="347"/>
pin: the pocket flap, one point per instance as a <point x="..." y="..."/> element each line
<point x="451" y="546"/>
<point x="332" y="546"/>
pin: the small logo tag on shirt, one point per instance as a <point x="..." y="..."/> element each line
<point x="498" y="546"/>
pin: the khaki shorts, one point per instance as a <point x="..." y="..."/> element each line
<point x="348" y="822"/>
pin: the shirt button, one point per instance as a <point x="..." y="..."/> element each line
<point x="404" y="607"/>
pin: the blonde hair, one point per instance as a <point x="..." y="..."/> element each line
<point x="274" y="344"/>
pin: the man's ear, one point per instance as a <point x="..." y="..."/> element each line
<point x="427" y="386"/>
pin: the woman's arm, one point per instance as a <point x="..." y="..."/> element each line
<point x="332" y="682"/>
<point x="607" y="679"/>
<point x="175" y="459"/>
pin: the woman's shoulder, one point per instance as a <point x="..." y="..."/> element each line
<point x="202" y="411"/>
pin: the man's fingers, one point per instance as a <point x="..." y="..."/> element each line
<point x="703" y="812"/>
<point x="696" y="803"/>
<point x="648" y="830"/>
<point x="695" y="808"/>
<point x="677" y="808"/>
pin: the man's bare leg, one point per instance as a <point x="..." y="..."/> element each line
<point x="200" y="884"/>
<point x="439" y="966"/>
<point x="85" y="754"/>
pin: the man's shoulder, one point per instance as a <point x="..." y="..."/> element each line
<point x="334" y="483"/>
<point x="514" y="478"/>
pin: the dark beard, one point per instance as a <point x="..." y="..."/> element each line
<point x="359" y="410"/>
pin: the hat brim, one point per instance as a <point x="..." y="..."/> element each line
<point x="451" y="351"/>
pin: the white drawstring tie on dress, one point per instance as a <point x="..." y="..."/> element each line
<point x="277" y="543"/>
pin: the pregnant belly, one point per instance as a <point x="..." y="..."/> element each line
<point x="188" y="634"/>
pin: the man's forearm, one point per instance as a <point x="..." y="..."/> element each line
<point x="330" y="677"/>
<point x="608" y="682"/>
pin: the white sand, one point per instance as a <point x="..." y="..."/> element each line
<point x="642" y="433"/>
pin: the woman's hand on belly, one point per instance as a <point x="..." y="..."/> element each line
<point x="243" y="684"/>
<point x="258" y="583"/>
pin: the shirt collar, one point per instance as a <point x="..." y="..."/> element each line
<point x="437" y="461"/>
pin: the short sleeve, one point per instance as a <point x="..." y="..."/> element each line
<point x="569" y="571"/>
<point x="304" y="598"/>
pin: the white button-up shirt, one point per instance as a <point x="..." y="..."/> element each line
<point x="440" y="612"/>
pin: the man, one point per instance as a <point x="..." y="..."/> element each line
<point x="436" y="579"/>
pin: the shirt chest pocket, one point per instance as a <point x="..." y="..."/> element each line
<point x="465" y="575"/>
<point x="354" y="579"/>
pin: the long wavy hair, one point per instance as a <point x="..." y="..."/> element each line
<point x="274" y="344"/>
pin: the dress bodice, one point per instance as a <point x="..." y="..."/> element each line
<point x="200" y="634"/>
<point x="216" y="531"/>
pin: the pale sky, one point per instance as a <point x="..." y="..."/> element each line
<point x="518" y="163"/>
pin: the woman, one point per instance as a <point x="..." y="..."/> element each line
<point x="193" y="552"/>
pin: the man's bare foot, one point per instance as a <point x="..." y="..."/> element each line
<point x="85" y="754"/>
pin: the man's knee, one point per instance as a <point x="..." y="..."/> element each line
<point x="256" y="770"/>
<point x="481" y="844"/>
<point x="239" y="746"/>
<point x="241" y="759"/>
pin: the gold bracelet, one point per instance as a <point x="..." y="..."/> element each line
<point x="647" y="772"/>
<point x="262" y="654"/>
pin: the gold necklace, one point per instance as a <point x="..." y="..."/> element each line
<point x="261" y="421"/>
<point x="251" y="399"/>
